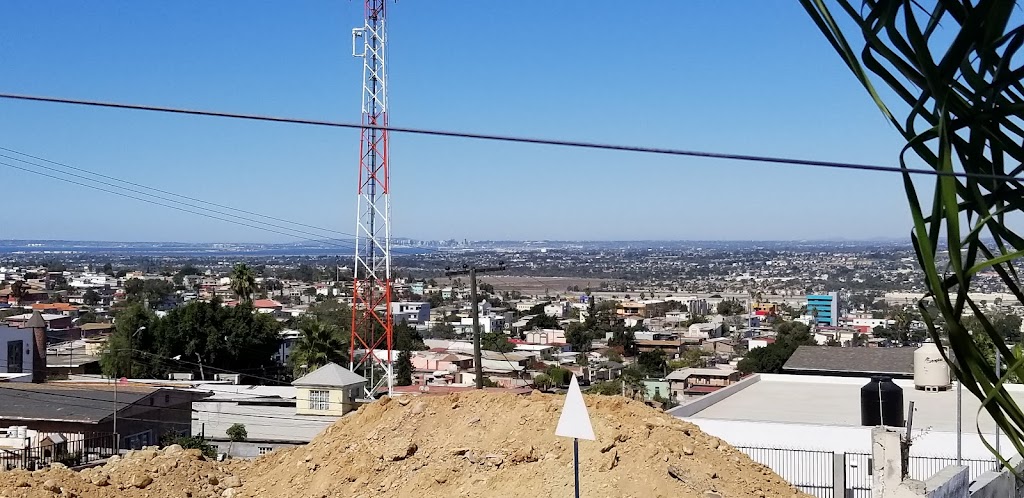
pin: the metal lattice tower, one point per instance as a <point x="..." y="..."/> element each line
<point x="372" y="322"/>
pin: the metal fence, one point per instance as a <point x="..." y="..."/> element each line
<point x="73" y="452"/>
<point x="808" y="470"/>
<point x="813" y="472"/>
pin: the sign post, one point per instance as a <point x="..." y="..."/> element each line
<point x="574" y="422"/>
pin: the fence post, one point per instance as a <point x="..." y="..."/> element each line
<point x="839" y="475"/>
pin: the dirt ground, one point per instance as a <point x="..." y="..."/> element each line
<point x="460" y="445"/>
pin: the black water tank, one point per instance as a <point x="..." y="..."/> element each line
<point x="881" y="403"/>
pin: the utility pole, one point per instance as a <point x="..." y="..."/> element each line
<point x="475" y="311"/>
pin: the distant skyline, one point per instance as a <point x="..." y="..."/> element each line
<point x="745" y="77"/>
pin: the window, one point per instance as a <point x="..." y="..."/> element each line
<point x="265" y="449"/>
<point x="319" y="400"/>
<point x="167" y="399"/>
<point x="15" y="350"/>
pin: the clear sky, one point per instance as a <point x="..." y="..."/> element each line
<point x="751" y="76"/>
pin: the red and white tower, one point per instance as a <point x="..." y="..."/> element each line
<point x="372" y="322"/>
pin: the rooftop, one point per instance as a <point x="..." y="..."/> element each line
<point x="65" y="402"/>
<point x="330" y="375"/>
<point x="835" y="401"/>
<point x="897" y="362"/>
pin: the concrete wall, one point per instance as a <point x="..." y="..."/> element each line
<point x="702" y="403"/>
<point x="247" y="449"/>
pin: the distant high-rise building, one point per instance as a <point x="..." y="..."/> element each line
<point x="698" y="307"/>
<point x="825" y="308"/>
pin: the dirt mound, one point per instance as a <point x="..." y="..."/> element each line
<point x="478" y="444"/>
<point x="171" y="472"/>
<point x="497" y="445"/>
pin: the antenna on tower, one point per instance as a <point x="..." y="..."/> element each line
<point x="372" y="322"/>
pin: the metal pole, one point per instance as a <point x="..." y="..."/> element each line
<point x="999" y="375"/>
<point x="479" y="370"/>
<point x="117" y="440"/>
<point x="959" y="419"/>
<point x="576" y="463"/>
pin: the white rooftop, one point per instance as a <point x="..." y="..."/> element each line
<point x="835" y="401"/>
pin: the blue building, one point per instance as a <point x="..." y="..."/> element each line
<point x="825" y="307"/>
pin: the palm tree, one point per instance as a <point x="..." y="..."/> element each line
<point x="317" y="346"/>
<point x="243" y="282"/>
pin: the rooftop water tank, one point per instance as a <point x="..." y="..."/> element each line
<point x="881" y="403"/>
<point x="930" y="371"/>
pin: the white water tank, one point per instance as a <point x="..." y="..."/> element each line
<point x="930" y="371"/>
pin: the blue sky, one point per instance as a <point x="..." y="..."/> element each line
<point x="749" y="77"/>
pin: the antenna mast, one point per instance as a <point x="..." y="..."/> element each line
<point x="372" y="322"/>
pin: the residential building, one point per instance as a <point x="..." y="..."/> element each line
<point x="642" y="309"/>
<point x="328" y="390"/>
<point x="700" y="381"/>
<point x="759" y="342"/>
<point x="412" y="312"/>
<point x="824" y="308"/>
<point x="558" y="309"/>
<point x="287" y="339"/>
<point x="269" y="306"/>
<point x="144" y="413"/>
<point x="252" y="406"/>
<point x="720" y="346"/>
<point x="704" y="330"/>
<point x="671" y="347"/>
<point x="545" y="336"/>
<point x="18" y="343"/>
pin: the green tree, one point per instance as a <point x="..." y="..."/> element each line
<point x="243" y="282"/>
<point x="542" y="382"/>
<point x="559" y="376"/>
<point x="730" y="307"/>
<point x="652" y="363"/>
<point x="90" y="297"/>
<point x="691" y="357"/>
<point x="441" y="330"/>
<point x="542" y="321"/>
<point x="317" y="346"/>
<point x="403" y="369"/>
<point x="108" y="269"/>
<point x="577" y="336"/>
<point x="626" y="340"/>
<point x="125" y="353"/>
<point x="237" y="433"/>
<point x="18" y="290"/>
<point x="496" y="341"/>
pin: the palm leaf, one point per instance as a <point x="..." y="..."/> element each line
<point x="960" y="101"/>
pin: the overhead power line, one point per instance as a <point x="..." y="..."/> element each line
<point x="100" y="175"/>
<point x="516" y="139"/>
<point x="178" y="208"/>
<point x="163" y="198"/>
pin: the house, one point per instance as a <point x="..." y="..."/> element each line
<point x="722" y="346"/>
<point x="851" y="362"/>
<point x="546" y="336"/>
<point x="411" y="312"/>
<point x="328" y="390"/>
<point x="704" y="331"/>
<point x="141" y="413"/>
<point x="557" y="310"/>
<point x="267" y="306"/>
<point x="252" y="406"/>
<point x="18" y="342"/>
<point x="700" y="381"/>
<point x="671" y="347"/>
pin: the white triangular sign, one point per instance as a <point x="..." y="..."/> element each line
<point x="574" y="421"/>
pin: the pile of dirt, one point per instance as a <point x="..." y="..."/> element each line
<point x="501" y="445"/>
<point x="478" y="444"/>
<point x="170" y="472"/>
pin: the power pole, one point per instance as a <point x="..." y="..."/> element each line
<point x="475" y="311"/>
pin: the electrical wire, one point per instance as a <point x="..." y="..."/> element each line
<point x="100" y="175"/>
<point x="518" y="139"/>
<point x="150" y="201"/>
<point x="167" y="199"/>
